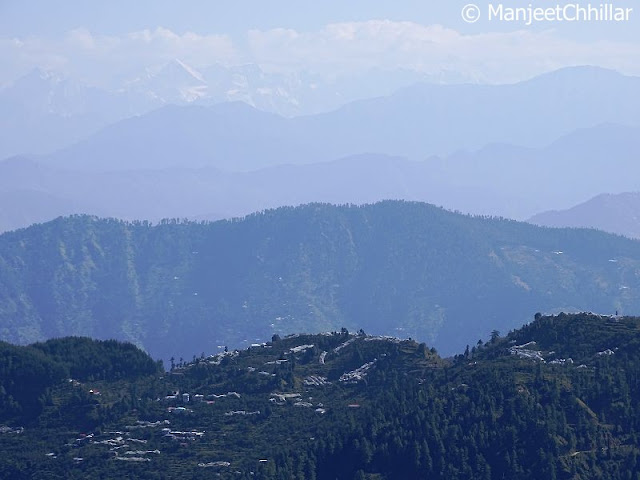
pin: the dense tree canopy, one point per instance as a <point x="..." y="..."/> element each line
<point x="557" y="399"/>
<point x="396" y="268"/>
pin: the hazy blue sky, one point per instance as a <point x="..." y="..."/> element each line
<point x="42" y="17"/>
<point x="98" y="40"/>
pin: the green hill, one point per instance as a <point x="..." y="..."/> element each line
<point x="557" y="399"/>
<point x="396" y="268"/>
<point x="27" y="373"/>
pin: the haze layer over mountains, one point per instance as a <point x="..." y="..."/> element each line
<point x="515" y="150"/>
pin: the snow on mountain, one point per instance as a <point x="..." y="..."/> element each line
<point x="175" y="82"/>
<point x="194" y="73"/>
<point x="46" y="111"/>
<point x="43" y="111"/>
<point x="44" y="92"/>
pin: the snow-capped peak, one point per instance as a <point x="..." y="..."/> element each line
<point x="190" y="70"/>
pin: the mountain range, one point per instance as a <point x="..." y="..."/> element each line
<point x="410" y="123"/>
<point x="45" y="110"/>
<point x="502" y="180"/>
<point x="396" y="268"/>
<point x="230" y="159"/>
<point x="618" y="214"/>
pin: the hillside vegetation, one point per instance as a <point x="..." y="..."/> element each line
<point x="27" y="373"/>
<point x="393" y="268"/>
<point x="557" y="399"/>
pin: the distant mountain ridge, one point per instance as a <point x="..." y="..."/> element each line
<point x="618" y="214"/>
<point x="48" y="110"/>
<point x="396" y="268"/>
<point x="231" y="159"/>
<point x="416" y="122"/>
<point x="502" y="180"/>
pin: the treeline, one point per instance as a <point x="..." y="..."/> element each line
<point x="88" y="359"/>
<point x="25" y="376"/>
<point x="179" y="288"/>
<point x="558" y="399"/>
<point x="28" y="372"/>
<point x="493" y="415"/>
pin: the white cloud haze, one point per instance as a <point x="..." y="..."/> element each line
<point x="97" y="58"/>
<point x="334" y="49"/>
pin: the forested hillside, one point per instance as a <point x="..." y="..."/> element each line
<point x="398" y="268"/>
<point x="557" y="399"/>
<point x="27" y="373"/>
